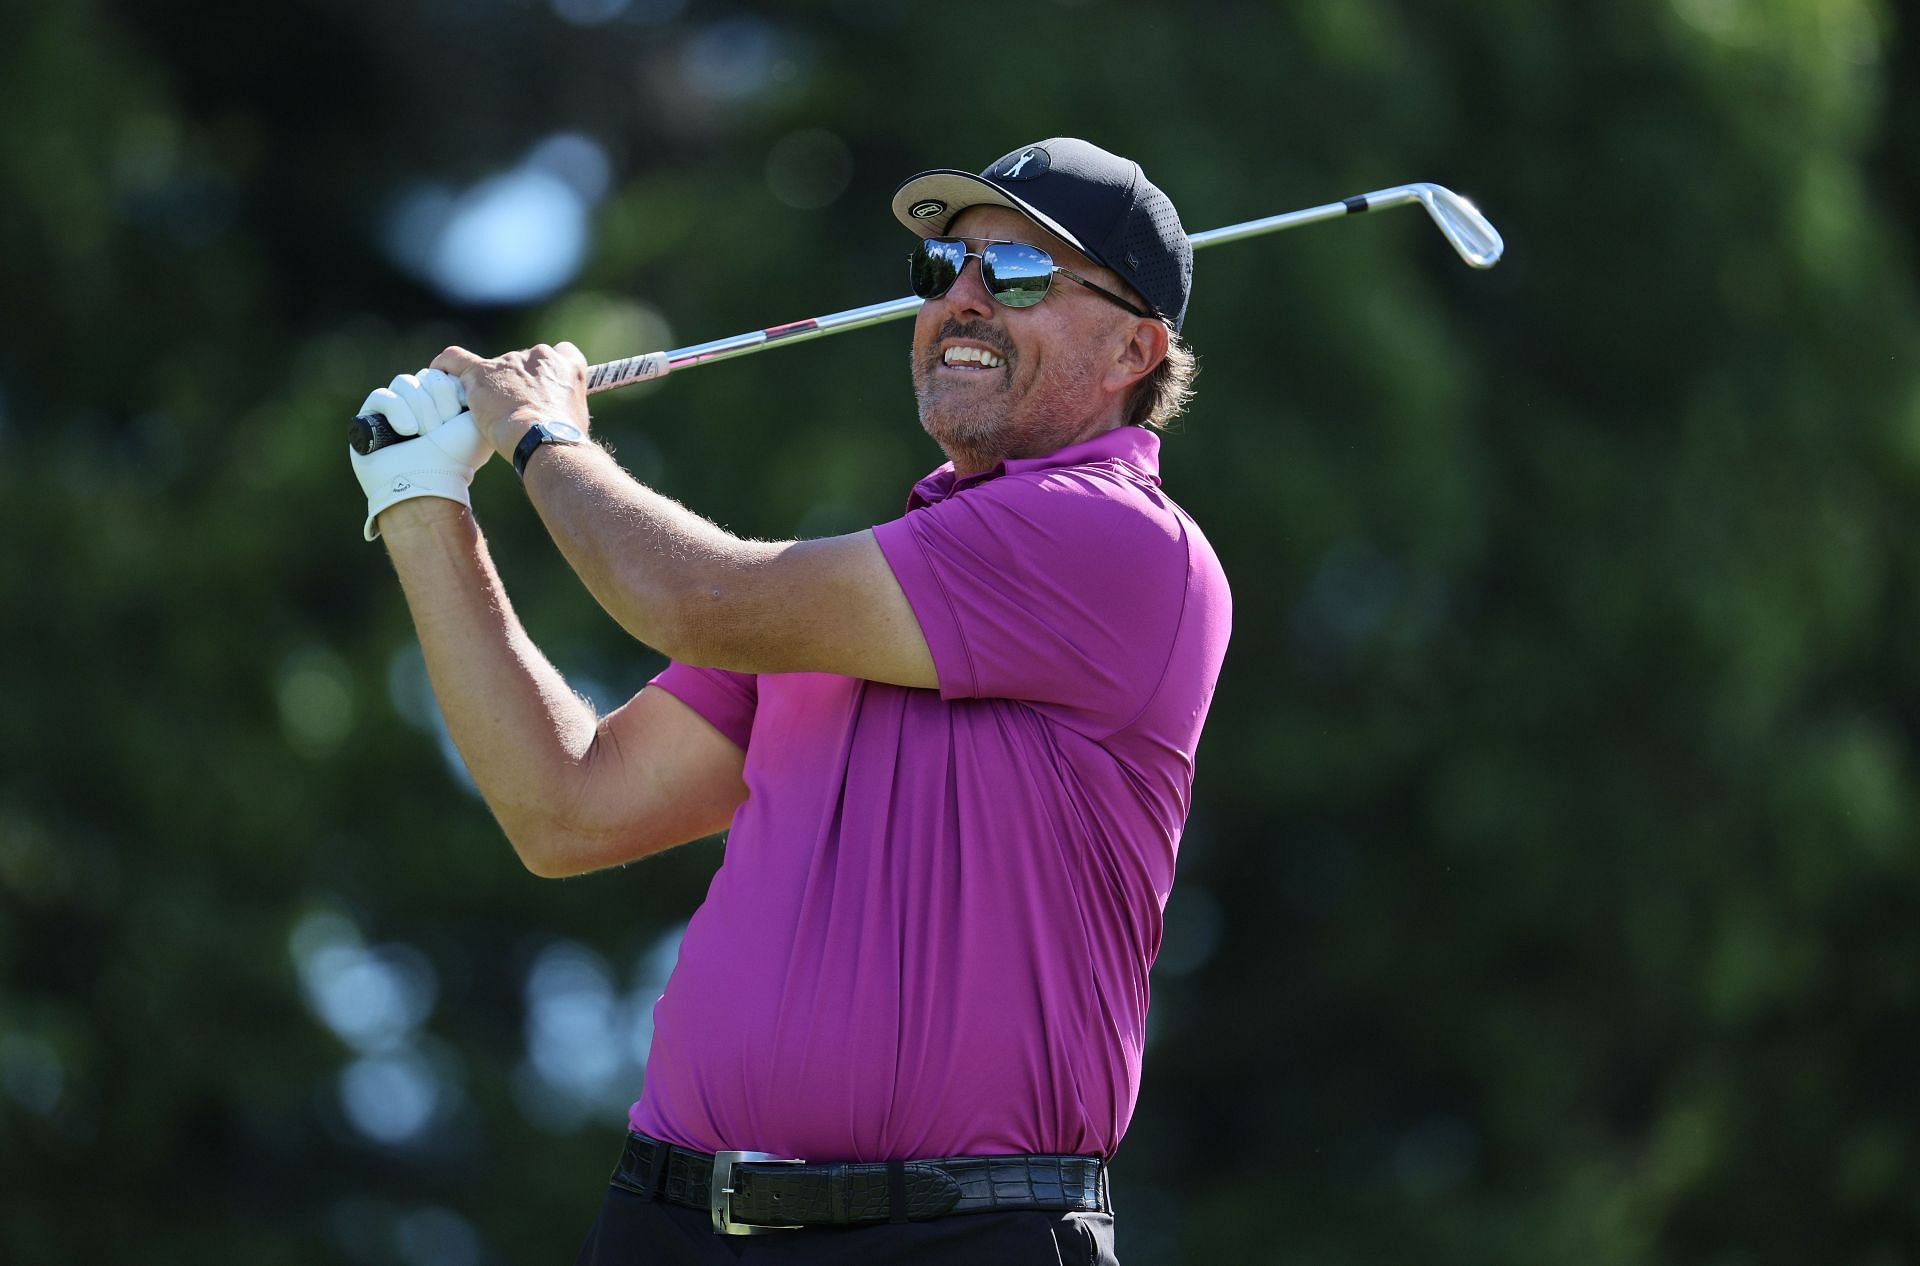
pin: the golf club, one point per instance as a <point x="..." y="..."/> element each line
<point x="1465" y="229"/>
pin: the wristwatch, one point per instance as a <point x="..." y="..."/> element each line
<point x="550" y="432"/>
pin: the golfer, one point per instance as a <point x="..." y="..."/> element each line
<point x="954" y="753"/>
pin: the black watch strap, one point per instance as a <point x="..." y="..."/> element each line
<point x="542" y="433"/>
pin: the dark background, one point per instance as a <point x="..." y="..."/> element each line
<point x="1551" y="893"/>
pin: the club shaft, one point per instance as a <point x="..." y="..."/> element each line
<point x="798" y="332"/>
<point x="1476" y="241"/>
<point x="877" y="313"/>
<point x="1275" y="223"/>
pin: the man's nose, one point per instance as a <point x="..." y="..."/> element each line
<point x="969" y="290"/>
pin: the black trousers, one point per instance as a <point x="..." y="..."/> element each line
<point x="635" y="1231"/>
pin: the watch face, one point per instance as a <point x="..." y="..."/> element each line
<point x="564" y="432"/>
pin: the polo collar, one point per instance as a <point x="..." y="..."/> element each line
<point x="1134" y="447"/>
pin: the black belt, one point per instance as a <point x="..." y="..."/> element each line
<point x="751" y="1192"/>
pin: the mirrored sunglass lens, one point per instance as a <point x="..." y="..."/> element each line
<point x="1017" y="274"/>
<point x="936" y="264"/>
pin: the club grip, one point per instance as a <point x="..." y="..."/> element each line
<point x="369" y="433"/>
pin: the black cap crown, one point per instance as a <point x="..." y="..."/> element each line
<point x="1102" y="204"/>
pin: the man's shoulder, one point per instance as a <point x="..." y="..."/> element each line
<point x="1097" y="510"/>
<point x="1107" y="496"/>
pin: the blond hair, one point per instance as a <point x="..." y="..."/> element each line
<point x="1164" y="394"/>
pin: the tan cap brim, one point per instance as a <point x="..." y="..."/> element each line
<point x="928" y="202"/>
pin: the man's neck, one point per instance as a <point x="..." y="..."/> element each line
<point x="968" y="462"/>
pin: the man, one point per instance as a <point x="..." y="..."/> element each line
<point x="954" y="752"/>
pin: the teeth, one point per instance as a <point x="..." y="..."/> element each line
<point x="972" y="355"/>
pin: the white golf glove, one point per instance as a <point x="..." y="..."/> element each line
<point x="440" y="463"/>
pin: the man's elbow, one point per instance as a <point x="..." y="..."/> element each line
<point x="555" y="849"/>
<point x="548" y="844"/>
<point x="540" y="848"/>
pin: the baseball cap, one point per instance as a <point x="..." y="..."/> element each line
<point x="1100" y="203"/>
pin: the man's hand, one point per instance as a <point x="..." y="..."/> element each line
<point x="510" y="393"/>
<point x="440" y="463"/>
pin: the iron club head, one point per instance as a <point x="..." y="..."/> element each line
<point x="1469" y="232"/>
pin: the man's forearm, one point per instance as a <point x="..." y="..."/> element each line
<point x="522" y="732"/>
<point x="670" y="577"/>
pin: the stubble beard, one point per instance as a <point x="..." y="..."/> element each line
<point x="976" y="428"/>
<point x="966" y="422"/>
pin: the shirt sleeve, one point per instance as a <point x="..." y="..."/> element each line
<point x="1063" y="590"/>
<point x="726" y="700"/>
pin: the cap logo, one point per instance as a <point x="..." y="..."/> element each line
<point x="1022" y="165"/>
<point x="926" y="210"/>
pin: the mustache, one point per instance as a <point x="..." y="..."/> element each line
<point x="977" y="331"/>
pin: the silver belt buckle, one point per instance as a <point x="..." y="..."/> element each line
<point x="720" y="1193"/>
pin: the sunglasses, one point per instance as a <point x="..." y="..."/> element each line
<point x="1016" y="274"/>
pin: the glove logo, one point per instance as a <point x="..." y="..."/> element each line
<point x="401" y="484"/>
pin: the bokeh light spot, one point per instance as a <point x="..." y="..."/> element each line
<point x="31" y="1073"/>
<point x="315" y="695"/>
<point x="512" y="238"/>
<point x="373" y="998"/>
<point x="587" y="1039"/>
<point x="391" y="1099"/>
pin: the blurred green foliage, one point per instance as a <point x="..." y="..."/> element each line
<point x="1552" y="890"/>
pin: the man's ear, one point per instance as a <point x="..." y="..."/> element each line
<point x="1143" y="351"/>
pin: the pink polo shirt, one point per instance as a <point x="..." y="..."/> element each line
<point x="932" y="930"/>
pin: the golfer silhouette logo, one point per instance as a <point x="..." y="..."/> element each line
<point x="1025" y="165"/>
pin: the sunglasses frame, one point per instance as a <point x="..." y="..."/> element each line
<point x="1045" y="254"/>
